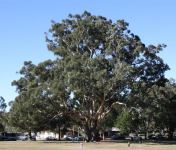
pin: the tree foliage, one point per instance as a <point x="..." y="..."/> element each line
<point x="165" y="112"/>
<point x="2" y="104"/>
<point x="154" y="110"/>
<point x="37" y="105"/>
<point x="124" y="122"/>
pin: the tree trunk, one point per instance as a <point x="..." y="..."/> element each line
<point x="59" y="132"/>
<point x="88" y="133"/>
<point x="146" y="135"/>
<point x="170" y="134"/>
<point x="96" y="136"/>
<point x="30" y="135"/>
<point x="92" y="133"/>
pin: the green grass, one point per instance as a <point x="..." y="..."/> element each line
<point x="32" y="145"/>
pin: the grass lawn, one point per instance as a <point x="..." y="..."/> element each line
<point x="33" y="145"/>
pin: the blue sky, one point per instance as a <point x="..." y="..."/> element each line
<point x="23" y="23"/>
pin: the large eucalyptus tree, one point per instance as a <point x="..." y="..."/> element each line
<point x="99" y="63"/>
<point x="102" y="62"/>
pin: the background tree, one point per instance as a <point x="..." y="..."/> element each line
<point x="2" y="111"/>
<point x="154" y="110"/>
<point x="37" y="104"/>
<point x="142" y="105"/>
<point x="165" y="112"/>
<point x="125" y="122"/>
<point x="2" y="104"/>
<point x="110" y="121"/>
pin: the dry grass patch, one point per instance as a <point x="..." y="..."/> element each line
<point x="27" y="145"/>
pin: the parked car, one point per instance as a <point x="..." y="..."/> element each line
<point x="9" y="138"/>
<point x="137" y="139"/>
<point x="51" y="138"/>
<point x="128" y="138"/>
<point x="68" y="137"/>
<point x="74" y="138"/>
<point x="96" y="139"/>
<point x="22" y="137"/>
<point x="117" y="137"/>
<point x="156" y="137"/>
<point x="79" y="138"/>
<point x="134" y="137"/>
<point x="1" y="137"/>
<point x="32" y="138"/>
